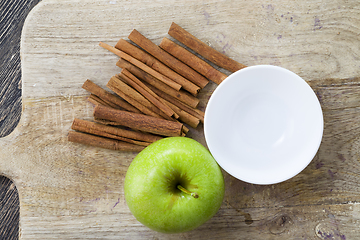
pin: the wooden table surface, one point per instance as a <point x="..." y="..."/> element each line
<point x="319" y="203"/>
<point x="13" y="14"/>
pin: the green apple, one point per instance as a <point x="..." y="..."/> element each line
<point x="174" y="185"/>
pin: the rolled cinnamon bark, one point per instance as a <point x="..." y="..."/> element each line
<point x="107" y="122"/>
<point x="144" y="76"/>
<point x="193" y="111"/>
<point x="184" y="116"/>
<point x="107" y="97"/>
<point x="79" y="124"/>
<point x="204" y="50"/>
<point x="152" y="62"/>
<point x="139" y="121"/>
<point x="122" y="82"/>
<point x="167" y="59"/>
<point x="142" y="65"/>
<point x="132" y="99"/>
<point x="96" y="100"/>
<point x="96" y="141"/>
<point x="192" y="61"/>
<point x="108" y="135"/>
<point x="148" y="94"/>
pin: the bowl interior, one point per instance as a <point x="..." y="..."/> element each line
<point x="263" y="124"/>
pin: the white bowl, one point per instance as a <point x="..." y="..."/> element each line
<point x="263" y="124"/>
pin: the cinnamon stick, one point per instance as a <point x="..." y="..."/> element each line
<point x="184" y="116"/>
<point x="107" y="97"/>
<point x="180" y="95"/>
<point x="117" y="124"/>
<point x="107" y="122"/>
<point x="140" y="136"/>
<point x="148" y="94"/>
<point x="139" y="121"/>
<point x="96" y="100"/>
<point x="141" y="65"/>
<point x="121" y="81"/>
<point x="96" y="141"/>
<point x="193" y="61"/>
<point x="155" y="64"/>
<point x="135" y="100"/>
<point x="127" y="79"/>
<point x="167" y="59"/>
<point x="204" y="50"/>
<point x="161" y="103"/>
<point x="193" y="111"/>
<point x="108" y="135"/>
<point x="128" y="90"/>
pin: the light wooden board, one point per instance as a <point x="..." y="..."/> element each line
<point x="72" y="191"/>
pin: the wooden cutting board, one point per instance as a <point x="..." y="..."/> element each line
<point x="69" y="190"/>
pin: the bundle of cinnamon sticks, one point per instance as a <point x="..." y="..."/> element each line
<point x="154" y="95"/>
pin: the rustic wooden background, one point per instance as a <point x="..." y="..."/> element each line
<point x="12" y="17"/>
<point x="317" y="40"/>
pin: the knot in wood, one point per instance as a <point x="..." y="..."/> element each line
<point x="280" y="224"/>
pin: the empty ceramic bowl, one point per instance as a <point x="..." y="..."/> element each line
<point x="263" y="124"/>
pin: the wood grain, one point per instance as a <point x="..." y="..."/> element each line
<point x="9" y="209"/>
<point x="69" y="190"/>
<point x="13" y="15"/>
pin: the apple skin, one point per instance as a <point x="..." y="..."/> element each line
<point x="151" y="181"/>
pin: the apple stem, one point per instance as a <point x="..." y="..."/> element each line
<point x="184" y="190"/>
